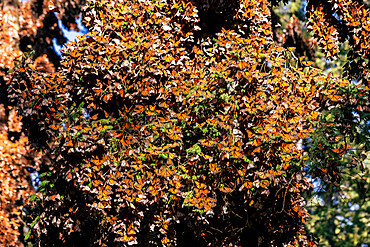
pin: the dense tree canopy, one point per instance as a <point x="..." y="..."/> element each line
<point x="179" y="122"/>
<point x="339" y="215"/>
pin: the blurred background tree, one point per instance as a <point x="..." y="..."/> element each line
<point x="340" y="215"/>
<point x="25" y="27"/>
<point x="339" y="211"/>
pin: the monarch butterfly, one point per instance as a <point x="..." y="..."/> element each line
<point x="96" y="183"/>
<point x="165" y="240"/>
<point x="168" y="58"/>
<point x="242" y="64"/>
<point x="167" y="173"/>
<point x="197" y="50"/>
<point x="209" y="204"/>
<point x="212" y="121"/>
<point x="334" y="97"/>
<point x="226" y="189"/>
<point x="307" y="63"/>
<point x="55" y="126"/>
<point x="69" y="176"/>
<point x="174" y="191"/>
<point x="181" y="116"/>
<point x="200" y="185"/>
<point x="236" y="154"/>
<point x="247" y="185"/>
<point x="99" y="205"/>
<point x="174" y="136"/>
<point x="126" y="238"/>
<point x="229" y="149"/>
<point x="200" y="205"/>
<point x="52" y="6"/>
<point x="155" y="152"/>
<point x="213" y="168"/>
<point x="242" y="172"/>
<point x="207" y="143"/>
<point x="264" y="184"/>
<point x="69" y="143"/>
<point x="192" y="201"/>
<point x="171" y="155"/>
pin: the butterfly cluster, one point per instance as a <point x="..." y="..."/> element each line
<point x="166" y="130"/>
